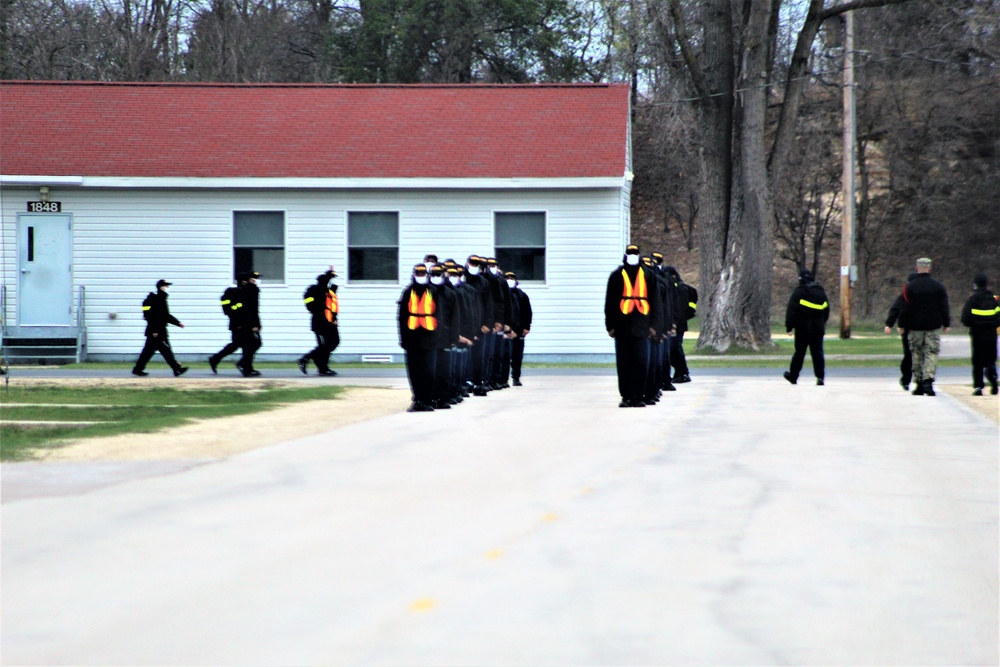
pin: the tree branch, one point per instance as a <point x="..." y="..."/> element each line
<point x="684" y="41"/>
<point x="851" y="5"/>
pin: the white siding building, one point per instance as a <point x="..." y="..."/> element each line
<point x="193" y="183"/>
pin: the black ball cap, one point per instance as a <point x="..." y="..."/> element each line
<point x="162" y="283"/>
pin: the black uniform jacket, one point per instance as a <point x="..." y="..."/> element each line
<point x="421" y="337"/>
<point x="157" y="314"/>
<point x="485" y="297"/>
<point x="982" y="311"/>
<point x="471" y="311"/>
<point x="925" y="305"/>
<point x="449" y="315"/>
<point x="634" y="323"/>
<point x="894" y="309"/>
<point x="665" y="312"/>
<point x="689" y="305"/>
<point x="500" y="294"/>
<point x="523" y="310"/>
<point x="807" y="306"/>
<point x="249" y="312"/>
<point x="317" y="305"/>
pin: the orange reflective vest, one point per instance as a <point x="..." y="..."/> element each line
<point x="635" y="297"/>
<point x="422" y="312"/>
<point x="332" y="305"/>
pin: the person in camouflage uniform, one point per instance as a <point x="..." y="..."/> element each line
<point x="923" y="315"/>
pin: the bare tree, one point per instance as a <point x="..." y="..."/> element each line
<point x="729" y="63"/>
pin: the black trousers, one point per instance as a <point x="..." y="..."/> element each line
<point x="677" y="358"/>
<point x="326" y="342"/>
<point x="516" y="357"/>
<point x="984" y="356"/>
<point x="631" y="360"/>
<point x="479" y="349"/>
<point x="906" y="365"/>
<point x="250" y="342"/>
<point x="420" y="366"/>
<point x="808" y="338"/>
<point x="153" y="345"/>
<point x="231" y="347"/>
<point x="442" y="374"/>
<point x="505" y="351"/>
<point x="654" y="368"/>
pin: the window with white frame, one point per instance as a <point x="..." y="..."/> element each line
<point x="519" y="240"/>
<point x="259" y="244"/>
<point x="372" y="246"/>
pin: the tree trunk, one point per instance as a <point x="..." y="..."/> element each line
<point x="736" y="230"/>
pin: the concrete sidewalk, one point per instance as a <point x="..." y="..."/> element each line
<point x="741" y="521"/>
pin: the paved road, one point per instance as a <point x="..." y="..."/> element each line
<point x="742" y="521"/>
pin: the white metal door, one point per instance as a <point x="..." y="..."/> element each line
<point x="45" y="294"/>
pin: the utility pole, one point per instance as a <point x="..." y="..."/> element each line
<point x="850" y="146"/>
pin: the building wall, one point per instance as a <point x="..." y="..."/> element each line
<point x="124" y="240"/>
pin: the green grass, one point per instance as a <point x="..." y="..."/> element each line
<point x="226" y="367"/>
<point x="126" y="411"/>
<point x="785" y="344"/>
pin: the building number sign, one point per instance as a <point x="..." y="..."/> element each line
<point x="44" y="207"/>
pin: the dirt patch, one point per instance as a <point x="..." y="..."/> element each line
<point x="225" y="436"/>
<point x="987" y="405"/>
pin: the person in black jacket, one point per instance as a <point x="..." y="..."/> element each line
<point x="924" y="312"/>
<point x="157" y="316"/>
<point x="630" y="311"/>
<point x="687" y="308"/>
<point x="501" y="323"/>
<point x="322" y="303"/>
<point x="806" y="315"/>
<point x="449" y="334"/>
<point x="522" y="326"/>
<point x="484" y="296"/>
<point x="419" y="311"/>
<point x="981" y="314"/>
<point x="248" y="333"/>
<point x="471" y="321"/>
<point x="906" y="365"/>
<point x="231" y="304"/>
<point x="662" y="324"/>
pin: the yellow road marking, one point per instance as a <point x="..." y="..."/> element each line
<point x="494" y="554"/>
<point x="421" y="605"/>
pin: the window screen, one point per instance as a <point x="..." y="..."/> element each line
<point x="372" y="246"/>
<point x="259" y="244"/>
<point x="520" y="244"/>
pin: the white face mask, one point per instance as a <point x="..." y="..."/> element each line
<point x="512" y="284"/>
<point x="473" y="270"/>
<point x="632" y="260"/>
<point x="437" y="280"/>
<point x="331" y="283"/>
<point x="454" y="280"/>
<point x="428" y="265"/>
<point x="495" y="270"/>
<point x="420" y="280"/>
<point x="165" y="290"/>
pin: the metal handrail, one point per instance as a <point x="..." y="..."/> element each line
<point x="81" y="325"/>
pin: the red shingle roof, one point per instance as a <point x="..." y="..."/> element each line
<point x="312" y="131"/>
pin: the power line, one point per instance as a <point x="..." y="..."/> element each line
<point x="833" y="71"/>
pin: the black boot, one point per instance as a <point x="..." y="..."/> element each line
<point x="929" y="388"/>
<point x="788" y="376"/>
<point x="918" y="388"/>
